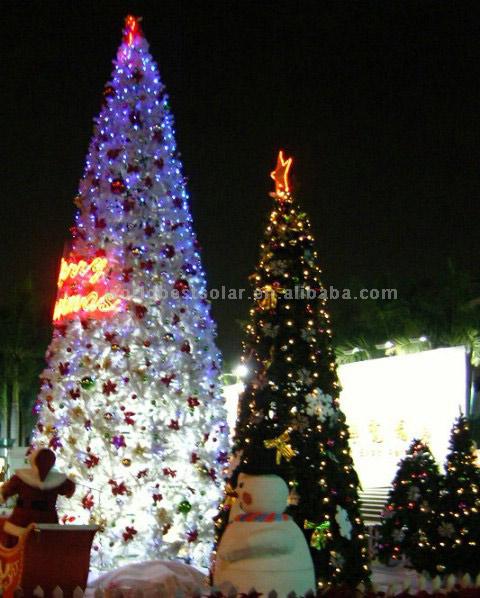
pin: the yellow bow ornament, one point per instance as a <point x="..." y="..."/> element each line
<point x="281" y="444"/>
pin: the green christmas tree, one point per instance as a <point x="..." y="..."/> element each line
<point x="451" y="541"/>
<point x="290" y="404"/>
<point x="411" y="502"/>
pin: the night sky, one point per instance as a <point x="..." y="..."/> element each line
<point x="378" y="102"/>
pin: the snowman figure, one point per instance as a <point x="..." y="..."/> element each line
<point x="262" y="547"/>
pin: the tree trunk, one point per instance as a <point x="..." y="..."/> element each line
<point x="15" y="415"/>
<point x="4" y="410"/>
<point x="469" y="379"/>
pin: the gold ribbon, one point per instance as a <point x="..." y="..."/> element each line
<point x="282" y="446"/>
<point x="230" y="496"/>
<point x="319" y="535"/>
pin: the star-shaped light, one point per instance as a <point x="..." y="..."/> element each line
<point x="280" y="174"/>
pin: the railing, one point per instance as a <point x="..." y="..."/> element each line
<point x="456" y="587"/>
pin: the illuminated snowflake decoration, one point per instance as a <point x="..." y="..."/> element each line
<point x="319" y="404"/>
<point x="446" y="530"/>
<point x="304" y="377"/>
<point x="278" y="267"/>
<point x="343" y="523"/>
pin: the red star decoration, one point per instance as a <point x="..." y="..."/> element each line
<point x="280" y="174"/>
<point x="92" y="461"/>
<point x="193" y="402"/>
<point x="167" y="379"/>
<point x="132" y="29"/>
<point x="128" y="418"/>
<point x="129" y="533"/>
<point x="87" y="501"/>
<point x="109" y="387"/>
<point x="118" y="489"/>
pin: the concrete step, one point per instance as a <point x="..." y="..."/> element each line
<point x="372" y="503"/>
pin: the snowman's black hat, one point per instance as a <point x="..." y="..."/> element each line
<point x="258" y="460"/>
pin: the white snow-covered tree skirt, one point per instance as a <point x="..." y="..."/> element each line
<point x="150" y="579"/>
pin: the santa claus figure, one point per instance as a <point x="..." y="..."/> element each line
<point x="36" y="488"/>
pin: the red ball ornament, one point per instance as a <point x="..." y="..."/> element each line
<point x="113" y="153"/>
<point x="140" y="311"/>
<point x="108" y="92"/>
<point x="189" y="268"/>
<point x="185" y="348"/>
<point x="192" y="536"/>
<point x="137" y="75"/>
<point x="168" y="251"/>
<point x="128" y="205"/>
<point x="64" y="368"/>
<point x="126" y="274"/>
<point x="157" y="135"/>
<point x="181" y="285"/>
<point x="147" y="265"/>
<point x="117" y="186"/>
<point x="135" y="118"/>
<point x="149" y="230"/>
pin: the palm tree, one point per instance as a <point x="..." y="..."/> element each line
<point x="22" y="332"/>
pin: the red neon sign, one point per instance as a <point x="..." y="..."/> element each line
<point x="83" y="289"/>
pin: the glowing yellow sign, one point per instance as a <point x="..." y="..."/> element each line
<point x="84" y="289"/>
<point x="94" y="270"/>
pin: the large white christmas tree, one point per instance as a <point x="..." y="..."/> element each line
<point x="130" y="399"/>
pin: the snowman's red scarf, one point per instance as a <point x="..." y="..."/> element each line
<point x="262" y="517"/>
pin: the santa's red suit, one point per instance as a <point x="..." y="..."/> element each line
<point x="36" y="489"/>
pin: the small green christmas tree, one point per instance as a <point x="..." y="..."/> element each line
<point x="450" y="543"/>
<point x="290" y="405"/>
<point x="411" y="502"/>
